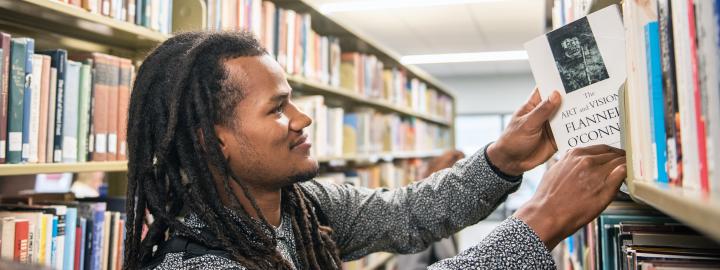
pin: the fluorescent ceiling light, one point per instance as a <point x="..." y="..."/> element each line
<point x="390" y="4"/>
<point x="464" y="57"/>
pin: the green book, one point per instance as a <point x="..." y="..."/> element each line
<point x="84" y="111"/>
<point x="16" y="94"/>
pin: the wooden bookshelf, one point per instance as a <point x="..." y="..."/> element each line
<point x="26" y="169"/>
<point x="693" y="208"/>
<point x="348" y="96"/>
<point x="71" y="21"/>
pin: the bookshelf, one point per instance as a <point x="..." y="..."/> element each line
<point x="35" y="17"/>
<point x="26" y="169"/>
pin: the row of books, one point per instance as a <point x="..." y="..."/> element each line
<point x="57" y="110"/>
<point x="337" y="132"/>
<point x="289" y="37"/>
<point x="630" y="236"/>
<point x="388" y="174"/>
<point x="673" y="60"/>
<point x="64" y="235"/>
<point x="153" y="14"/>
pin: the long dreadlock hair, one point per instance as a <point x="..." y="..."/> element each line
<point x="181" y="91"/>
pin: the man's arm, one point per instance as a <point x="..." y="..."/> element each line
<point x="512" y="245"/>
<point x="408" y="219"/>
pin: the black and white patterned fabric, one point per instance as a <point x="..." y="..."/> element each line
<point x="408" y="219"/>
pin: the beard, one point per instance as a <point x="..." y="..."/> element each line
<point x="303" y="176"/>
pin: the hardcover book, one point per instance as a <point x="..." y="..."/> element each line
<point x="585" y="62"/>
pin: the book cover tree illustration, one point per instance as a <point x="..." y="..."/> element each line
<point x="585" y="62"/>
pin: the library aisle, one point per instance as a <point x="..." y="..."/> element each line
<point x="117" y="127"/>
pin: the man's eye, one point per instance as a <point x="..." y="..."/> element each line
<point x="279" y="109"/>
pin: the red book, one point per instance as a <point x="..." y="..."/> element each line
<point x="22" y="236"/>
<point x="702" y="148"/>
<point x="4" y="82"/>
<point x="78" y="246"/>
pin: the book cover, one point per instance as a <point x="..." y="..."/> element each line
<point x="70" y="117"/>
<point x="16" y="100"/>
<point x="44" y="109"/>
<point x="105" y="243"/>
<point x="5" y="80"/>
<point x="22" y="235"/>
<point x="53" y="236"/>
<point x="7" y="238"/>
<point x="27" y="99"/>
<point x="94" y="213"/>
<point x="59" y="62"/>
<point x="672" y="127"/>
<point x="71" y="218"/>
<point x="47" y="240"/>
<point x="35" y="97"/>
<point x="35" y="230"/>
<point x="99" y="103"/>
<point x="87" y="262"/>
<point x="84" y="111"/>
<point x="588" y="56"/>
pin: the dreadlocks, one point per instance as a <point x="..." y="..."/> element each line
<point x="181" y="91"/>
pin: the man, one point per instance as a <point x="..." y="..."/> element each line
<point x="219" y="158"/>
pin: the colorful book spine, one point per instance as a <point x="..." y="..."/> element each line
<point x="5" y="81"/>
<point x="84" y="111"/>
<point x="59" y="62"/>
<point x="27" y="99"/>
<point x="656" y="98"/>
<point x="16" y="100"/>
<point x="22" y="235"/>
<point x="71" y="217"/>
<point x="672" y="125"/>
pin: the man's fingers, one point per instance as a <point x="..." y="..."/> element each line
<point x="544" y="110"/>
<point x="606" y="159"/>
<point x="598" y="149"/>
<point x="610" y="165"/>
<point x="615" y="178"/>
<point x="533" y="100"/>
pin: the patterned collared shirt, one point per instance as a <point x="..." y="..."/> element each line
<point x="408" y="219"/>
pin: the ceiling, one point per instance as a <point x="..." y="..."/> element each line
<point x="500" y="25"/>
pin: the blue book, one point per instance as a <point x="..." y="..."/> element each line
<point x="54" y="243"/>
<point x="16" y="94"/>
<point x="70" y="224"/>
<point x="657" y="99"/>
<point x="59" y="62"/>
<point x="27" y="97"/>
<point x="98" y="224"/>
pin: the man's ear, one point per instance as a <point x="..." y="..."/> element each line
<point x="223" y="135"/>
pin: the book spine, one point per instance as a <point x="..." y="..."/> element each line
<point x="696" y="95"/>
<point x="22" y="233"/>
<point x="5" y="82"/>
<point x="126" y="73"/>
<point x="61" y="65"/>
<point x="656" y="98"/>
<point x="87" y="263"/>
<point x="672" y="127"/>
<point x="27" y="99"/>
<point x="15" y="101"/>
<point x="35" y="87"/>
<point x="50" y="145"/>
<point x="70" y="118"/>
<point x="52" y="262"/>
<point x="112" y="117"/>
<point x="80" y="244"/>
<point x="44" y="109"/>
<point x="70" y="235"/>
<point x="84" y="111"/>
<point x="97" y="245"/>
<point x="100" y="108"/>
<point x="7" y="234"/>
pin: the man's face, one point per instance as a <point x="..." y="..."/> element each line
<point x="266" y="147"/>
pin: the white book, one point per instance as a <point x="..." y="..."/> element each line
<point x="51" y="116"/>
<point x="256" y="19"/>
<point x="585" y="62"/>
<point x="71" y="99"/>
<point x="49" y="241"/>
<point x="7" y="238"/>
<point x="106" y="241"/>
<point x="35" y="107"/>
<point x="709" y="57"/>
<point x="335" y="131"/>
<point x="60" y="213"/>
<point x="686" y="100"/>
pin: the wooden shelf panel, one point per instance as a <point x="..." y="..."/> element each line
<point x="306" y="86"/>
<point x="26" y="169"/>
<point x="78" y="23"/>
<point x="693" y="208"/>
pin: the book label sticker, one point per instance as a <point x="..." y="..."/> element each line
<point x="112" y="143"/>
<point x="14" y="141"/>
<point x="100" y="143"/>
